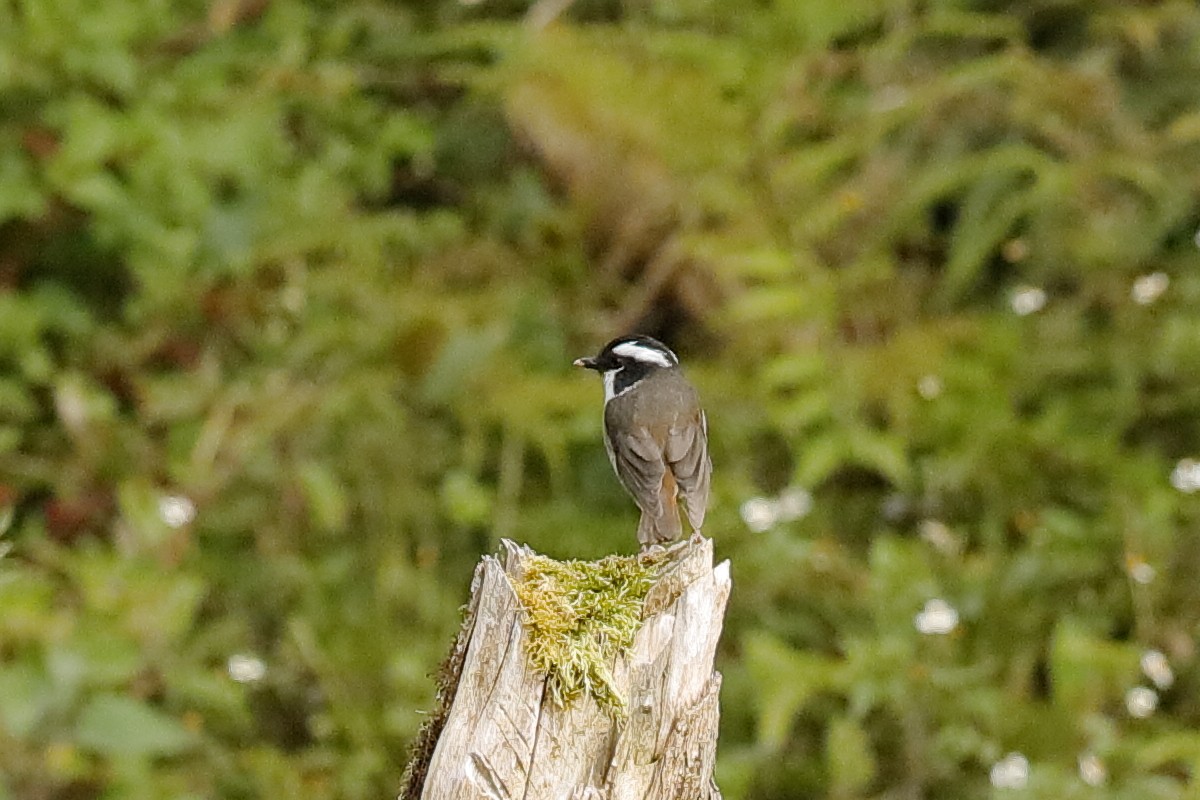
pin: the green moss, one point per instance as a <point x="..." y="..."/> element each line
<point x="581" y="615"/>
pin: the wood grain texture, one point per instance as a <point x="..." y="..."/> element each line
<point x="503" y="738"/>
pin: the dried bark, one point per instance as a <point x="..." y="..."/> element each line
<point x="499" y="736"/>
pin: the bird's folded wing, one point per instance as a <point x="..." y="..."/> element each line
<point x="687" y="453"/>
<point x="640" y="466"/>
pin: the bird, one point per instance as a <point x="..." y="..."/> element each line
<point x="655" y="433"/>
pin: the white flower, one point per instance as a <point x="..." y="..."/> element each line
<point x="1150" y="287"/>
<point x="937" y="618"/>
<point x="1141" y="572"/>
<point x="1010" y="772"/>
<point x="246" y="668"/>
<point x="929" y="387"/>
<point x="176" y="510"/>
<point x="793" y="504"/>
<point x="938" y="534"/>
<point x="1027" y="300"/>
<point x="1141" y="702"/>
<point x="759" y="514"/>
<point x="1158" y="669"/>
<point x="1186" y="475"/>
<point x="1092" y="770"/>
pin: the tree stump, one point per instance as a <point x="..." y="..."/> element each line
<point x="499" y="734"/>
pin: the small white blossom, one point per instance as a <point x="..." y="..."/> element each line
<point x="938" y="534"/>
<point x="1010" y="772"/>
<point x="1141" y="702"/>
<point x="929" y="387"/>
<point x="1026" y="300"/>
<point x="246" y="668"/>
<point x="1186" y="475"/>
<point x="759" y="514"/>
<point x="1142" y="573"/>
<point x="937" y="618"/>
<point x="793" y="504"/>
<point x="1092" y="770"/>
<point x="176" y="510"/>
<point x="1150" y="287"/>
<point x="1156" y="667"/>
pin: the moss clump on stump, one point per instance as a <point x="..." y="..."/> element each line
<point x="580" y="616"/>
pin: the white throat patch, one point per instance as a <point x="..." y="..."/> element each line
<point x="647" y="355"/>
<point x="610" y="384"/>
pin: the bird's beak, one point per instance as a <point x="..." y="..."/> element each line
<point x="586" y="363"/>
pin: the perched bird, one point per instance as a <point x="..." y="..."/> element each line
<point x="655" y="433"/>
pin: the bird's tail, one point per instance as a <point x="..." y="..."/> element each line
<point x="662" y="524"/>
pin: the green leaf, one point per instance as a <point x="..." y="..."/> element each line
<point x="848" y="756"/>
<point x="820" y="456"/>
<point x="116" y="725"/>
<point x="901" y="581"/>
<point x="808" y="409"/>
<point x="766" y="304"/>
<point x="989" y="214"/>
<point x="459" y="361"/>
<point x="1088" y="671"/>
<point x="139" y="504"/>
<point x="881" y="452"/>
<point x="819" y="22"/>
<point x="27" y="694"/>
<point x="100" y="655"/>
<point x="327" y="500"/>
<point x="1164" y="750"/>
<point x="788" y="679"/>
<point x="20" y="195"/>
<point x="465" y="499"/>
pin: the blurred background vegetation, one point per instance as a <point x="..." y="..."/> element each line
<point x="289" y="293"/>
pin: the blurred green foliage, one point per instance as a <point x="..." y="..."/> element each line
<point x="288" y="297"/>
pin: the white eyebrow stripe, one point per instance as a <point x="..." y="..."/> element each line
<point x="647" y="355"/>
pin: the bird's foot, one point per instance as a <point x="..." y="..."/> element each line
<point x="653" y="550"/>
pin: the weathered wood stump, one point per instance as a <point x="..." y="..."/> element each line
<point x="499" y="733"/>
